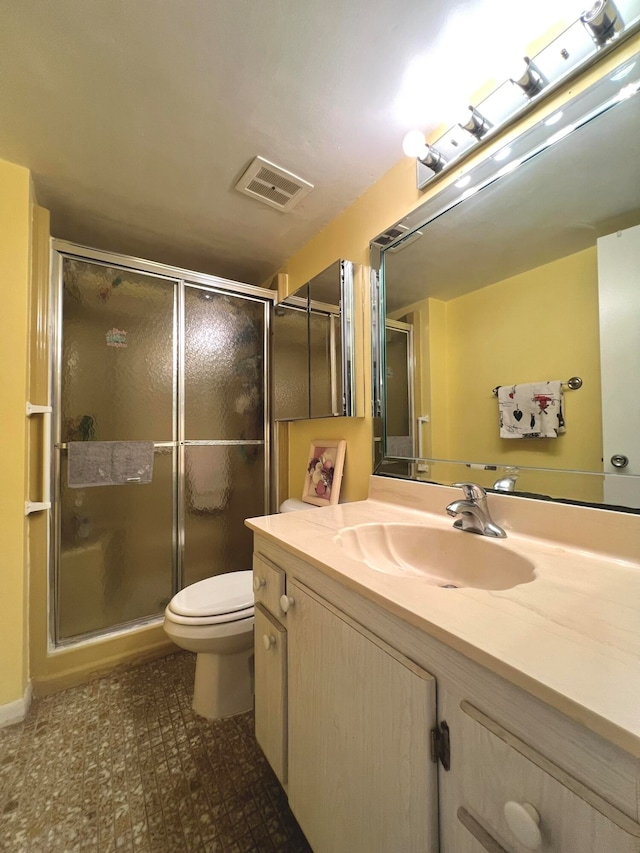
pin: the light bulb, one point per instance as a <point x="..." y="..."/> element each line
<point x="414" y="144"/>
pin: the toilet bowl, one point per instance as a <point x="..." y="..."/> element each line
<point x="214" y="619"/>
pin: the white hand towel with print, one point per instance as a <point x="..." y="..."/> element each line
<point x="531" y="410"/>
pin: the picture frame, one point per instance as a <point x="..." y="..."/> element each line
<point x="324" y="471"/>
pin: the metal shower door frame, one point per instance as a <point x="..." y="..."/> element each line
<point x="180" y="279"/>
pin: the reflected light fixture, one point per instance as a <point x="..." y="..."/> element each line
<point x="629" y="90"/>
<point x="462" y="183"/>
<point x="602" y="21"/>
<point x="468" y="193"/>
<point x="554" y="119"/>
<point x="531" y="80"/>
<point x="624" y="72"/>
<point x="502" y="154"/>
<point x="509" y="167"/>
<point x="560" y="134"/>
<point x="477" y="125"/>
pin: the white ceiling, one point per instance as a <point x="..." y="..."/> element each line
<point x="137" y="117"/>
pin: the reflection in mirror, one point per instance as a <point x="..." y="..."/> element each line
<point x="400" y="386"/>
<point x="325" y="350"/>
<point x="313" y="348"/>
<point x="527" y="275"/>
<point x="290" y="334"/>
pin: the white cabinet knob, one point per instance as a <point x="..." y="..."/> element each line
<point x="257" y="583"/>
<point x="286" y="602"/>
<point x="524" y="822"/>
<point x="268" y="640"/>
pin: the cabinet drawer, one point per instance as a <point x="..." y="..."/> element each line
<point x="471" y="837"/>
<point x="498" y="768"/>
<point x="271" y="690"/>
<point x="268" y="584"/>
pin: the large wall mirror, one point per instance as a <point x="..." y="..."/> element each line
<point x="313" y="370"/>
<point x="527" y="270"/>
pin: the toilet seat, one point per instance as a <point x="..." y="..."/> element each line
<point x="222" y="598"/>
<point x="220" y="619"/>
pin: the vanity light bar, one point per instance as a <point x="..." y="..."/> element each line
<point x="596" y="31"/>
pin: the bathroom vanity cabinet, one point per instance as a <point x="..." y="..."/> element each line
<point x="270" y="665"/>
<point x="360" y="716"/>
<point x="374" y="759"/>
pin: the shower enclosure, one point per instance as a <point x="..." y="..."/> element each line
<point x="148" y="353"/>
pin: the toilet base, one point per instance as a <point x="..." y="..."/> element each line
<point x="223" y="684"/>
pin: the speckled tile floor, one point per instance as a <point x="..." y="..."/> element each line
<point x="123" y="764"/>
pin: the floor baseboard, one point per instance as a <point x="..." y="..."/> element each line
<point x="15" y="712"/>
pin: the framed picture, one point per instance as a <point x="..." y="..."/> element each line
<point x="324" y="472"/>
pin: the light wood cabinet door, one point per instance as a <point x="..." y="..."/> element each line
<point x="271" y="690"/>
<point x="361" y="778"/>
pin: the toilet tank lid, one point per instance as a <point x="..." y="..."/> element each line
<point x="226" y="593"/>
<point x="293" y="505"/>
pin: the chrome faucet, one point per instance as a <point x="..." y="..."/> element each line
<point x="507" y="482"/>
<point x="474" y="512"/>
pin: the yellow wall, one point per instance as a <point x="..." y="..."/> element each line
<point x="542" y="324"/>
<point x="14" y="265"/>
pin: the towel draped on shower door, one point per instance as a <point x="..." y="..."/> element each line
<point x="109" y="463"/>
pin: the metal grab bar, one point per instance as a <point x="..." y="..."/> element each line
<point x="45" y="503"/>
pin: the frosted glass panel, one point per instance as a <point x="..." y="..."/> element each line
<point x="224" y="386"/>
<point x="116" y="551"/>
<point x="117" y="355"/>
<point x="290" y="363"/>
<point x="223" y="486"/>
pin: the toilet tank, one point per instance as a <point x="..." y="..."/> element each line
<point x="293" y="505"/>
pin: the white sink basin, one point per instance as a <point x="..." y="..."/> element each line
<point x="447" y="558"/>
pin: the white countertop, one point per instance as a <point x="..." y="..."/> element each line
<point x="571" y="637"/>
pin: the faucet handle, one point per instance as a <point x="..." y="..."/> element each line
<point x="472" y="491"/>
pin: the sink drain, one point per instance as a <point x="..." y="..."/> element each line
<point x="449" y="586"/>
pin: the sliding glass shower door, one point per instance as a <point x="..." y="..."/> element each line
<point x="224" y="430"/>
<point x="115" y="542"/>
<point x="146" y="358"/>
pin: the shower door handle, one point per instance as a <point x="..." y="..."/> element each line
<point x="45" y="503"/>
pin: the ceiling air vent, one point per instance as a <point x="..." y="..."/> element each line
<point x="273" y="185"/>
<point x="383" y="240"/>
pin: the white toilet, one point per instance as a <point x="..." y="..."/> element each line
<point x="214" y="619"/>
